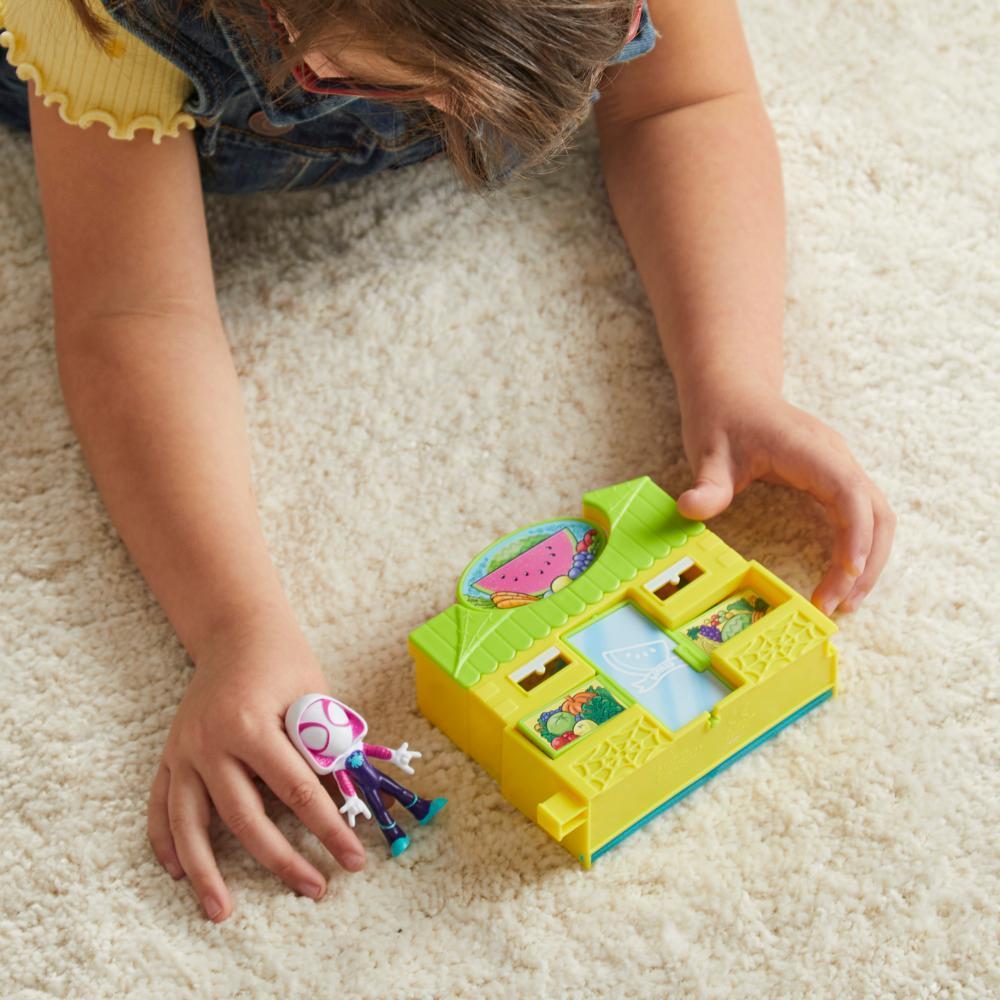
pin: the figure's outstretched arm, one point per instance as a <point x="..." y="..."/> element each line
<point x="353" y="806"/>
<point x="401" y="757"/>
<point x="345" y="784"/>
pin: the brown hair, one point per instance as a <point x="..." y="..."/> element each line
<point x="517" y="74"/>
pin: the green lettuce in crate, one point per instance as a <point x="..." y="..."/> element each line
<point x="602" y="706"/>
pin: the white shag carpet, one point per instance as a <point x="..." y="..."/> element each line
<point x="438" y="376"/>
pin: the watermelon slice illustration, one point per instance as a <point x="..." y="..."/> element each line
<point x="643" y="665"/>
<point x="533" y="571"/>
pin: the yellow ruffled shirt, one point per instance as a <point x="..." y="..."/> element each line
<point x="126" y="85"/>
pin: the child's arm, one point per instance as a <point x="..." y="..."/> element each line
<point x="153" y="396"/>
<point x="692" y="169"/>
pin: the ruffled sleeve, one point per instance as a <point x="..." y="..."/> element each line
<point x="126" y="85"/>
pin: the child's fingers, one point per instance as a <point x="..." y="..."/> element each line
<point x="815" y="459"/>
<point x="885" y="528"/>
<point x="240" y="807"/>
<point x="712" y="490"/>
<point x="840" y="578"/>
<point x="190" y="814"/>
<point x="284" y="771"/>
<point x="158" y="823"/>
<point x="846" y="495"/>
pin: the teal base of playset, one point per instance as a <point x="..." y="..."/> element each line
<point x="763" y="738"/>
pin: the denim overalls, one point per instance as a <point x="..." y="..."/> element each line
<point x="246" y="141"/>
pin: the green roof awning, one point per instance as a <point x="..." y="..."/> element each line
<point x="642" y="525"/>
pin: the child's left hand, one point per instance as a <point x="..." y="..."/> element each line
<point x="734" y="439"/>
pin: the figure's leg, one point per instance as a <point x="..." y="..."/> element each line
<point x="391" y="830"/>
<point x="422" y="809"/>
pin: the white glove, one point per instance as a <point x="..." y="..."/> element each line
<point x="402" y="757"/>
<point x="353" y="806"/>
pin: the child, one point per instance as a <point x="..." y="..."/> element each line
<point x="238" y="96"/>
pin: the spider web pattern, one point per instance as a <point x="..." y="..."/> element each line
<point x="777" y="647"/>
<point x="621" y="754"/>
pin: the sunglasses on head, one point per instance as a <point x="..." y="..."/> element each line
<point x="347" y="87"/>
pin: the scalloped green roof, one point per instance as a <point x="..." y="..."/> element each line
<point x="642" y="525"/>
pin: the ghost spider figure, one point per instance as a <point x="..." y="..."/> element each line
<point x="329" y="735"/>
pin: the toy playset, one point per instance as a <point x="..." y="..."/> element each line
<point x="600" y="668"/>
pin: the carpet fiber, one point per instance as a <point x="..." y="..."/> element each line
<point x="444" y="370"/>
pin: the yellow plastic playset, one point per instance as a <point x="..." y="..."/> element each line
<point x="601" y="668"/>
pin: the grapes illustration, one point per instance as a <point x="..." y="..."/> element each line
<point x="584" y="555"/>
<point x="728" y="621"/>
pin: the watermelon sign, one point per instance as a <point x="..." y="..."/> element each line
<point x="533" y="571"/>
<point x="530" y="564"/>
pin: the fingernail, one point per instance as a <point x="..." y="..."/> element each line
<point x="312" y="889"/>
<point x="212" y="907"/>
<point x="354" y="862"/>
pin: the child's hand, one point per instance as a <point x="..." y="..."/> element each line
<point x="736" y="438"/>
<point x="228" y="728"/>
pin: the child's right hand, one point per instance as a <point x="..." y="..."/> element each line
<point x="229" y="727"/>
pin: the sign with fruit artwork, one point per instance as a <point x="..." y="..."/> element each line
<point x="571" y="716"/>
<point x="530" y="564"/>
